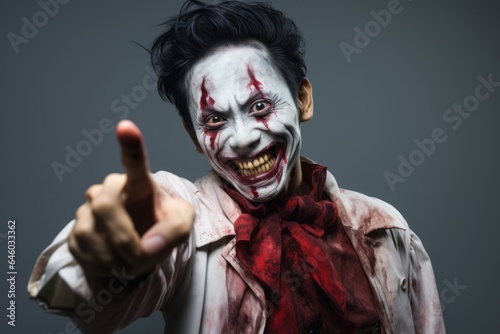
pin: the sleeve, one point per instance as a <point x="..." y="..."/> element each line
<point x="424" y="297"/>
<point x="58" y="283"/>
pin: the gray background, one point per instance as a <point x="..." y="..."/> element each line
<point x="367" y="113"/>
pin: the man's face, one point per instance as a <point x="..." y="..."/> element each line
<point x="245" y="120"/>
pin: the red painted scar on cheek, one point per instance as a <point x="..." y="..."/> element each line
<point x="213" y="136"/>
<point x="264" y="120"/>
<point x="205" y="99"/>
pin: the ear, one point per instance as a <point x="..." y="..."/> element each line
<point x="191" y="133"/>
<point x="306" y="105"/>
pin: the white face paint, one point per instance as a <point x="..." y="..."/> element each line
<point x="246" y="120"/>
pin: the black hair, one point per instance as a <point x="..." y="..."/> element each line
<point x="201" y="29"/>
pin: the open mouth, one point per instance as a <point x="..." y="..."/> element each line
<point x="257" y="165"/>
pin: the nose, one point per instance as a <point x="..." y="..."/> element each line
<point x="244" y="138"/>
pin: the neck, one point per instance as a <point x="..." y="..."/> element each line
<point x="296" y="185"/>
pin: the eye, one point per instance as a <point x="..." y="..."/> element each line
<point x="261" y="107"/>
<point x="214" y="121"/>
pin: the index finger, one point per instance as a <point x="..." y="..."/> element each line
<point x="133" y="152"/>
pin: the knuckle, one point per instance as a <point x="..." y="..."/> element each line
<point x="82" y="231"/>
<point x="92" y="191"/>
<point x="81" y="211"/>
<point x="112" y="178"/>
<point x="103" y="204"/>
<point x="122" y="240"/>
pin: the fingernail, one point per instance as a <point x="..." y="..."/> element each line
<point x="153" y="244"/>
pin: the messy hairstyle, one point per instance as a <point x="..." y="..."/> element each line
<point x="201" y="29"/>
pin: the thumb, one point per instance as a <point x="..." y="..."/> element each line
<point x="172" y="229"/>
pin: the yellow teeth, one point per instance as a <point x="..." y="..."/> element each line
<point x="256" y="166"/>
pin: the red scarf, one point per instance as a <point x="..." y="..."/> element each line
<point x="282" y="245"/>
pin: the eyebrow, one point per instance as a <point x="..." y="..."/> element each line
<point x="256" y="94"/>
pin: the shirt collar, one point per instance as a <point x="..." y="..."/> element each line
<point x="361" y="212"/>
<point x="216" y="210"/>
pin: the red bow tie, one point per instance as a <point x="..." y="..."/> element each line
<point x="283" y="247"/>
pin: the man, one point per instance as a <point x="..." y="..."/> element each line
<point x="266" y="242"/>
